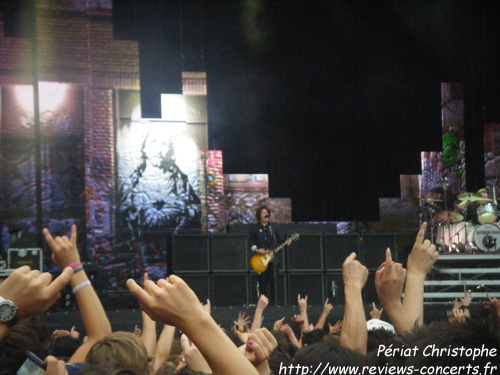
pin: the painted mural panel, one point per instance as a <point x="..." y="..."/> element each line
<point x="61" y="167"/>
<point x="160" y="185"/>
<point x="159" y="176"/>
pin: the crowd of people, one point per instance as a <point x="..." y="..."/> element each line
<point x="192" y="342"/>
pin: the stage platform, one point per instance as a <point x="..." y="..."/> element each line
<point x="126" y="319"/>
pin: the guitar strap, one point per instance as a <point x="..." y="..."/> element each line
<point x="275" y="243"/>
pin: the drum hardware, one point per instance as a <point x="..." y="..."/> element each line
<point x="456" y="237"/>
<point x="448" y="216"/>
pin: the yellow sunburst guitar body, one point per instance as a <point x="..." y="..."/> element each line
<point x="260" y="262"/>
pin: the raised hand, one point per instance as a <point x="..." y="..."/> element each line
<point x="137" y="331"/>
<point x="495" y="302"/>
<point x="354" y="273"/>
<point x="336" y="328"/>
<point x="194" y="358"/>
<point x="354" y="334"/>
<point x="169" y="301"/>
<point x="375" y="313"/>
<point x="263" y="302"/>
<point x="286" y="330"/>
<point x="298" y="319"/>
<point x="467" y="299"/>
<point x="302" y="302"/>
<point x="423" y="255"/>
<point x="173" y="302"/>
<point x="420" y="262"/>
<point x="258" y="349"/>
<point x="458" y="314"/>
<point x="74" y="333"/>
<point x="327" y="307"/>
<point x="64" y="249"/>
<point x="389" y="281"/>
<point x="278" y="324"/>
<point x="33" y="292"/>
<point x="241" y="324"/>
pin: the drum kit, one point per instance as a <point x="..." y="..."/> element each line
<point x="471" y="228"/>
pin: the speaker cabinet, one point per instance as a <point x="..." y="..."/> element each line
<point x="369" y="291"/>
<point x="306" y="284"/>
<point x="282" y="287"/>
<point x="200" y="283"/>
<point x="190" y="253"/>
<point x="229" y="289"/>
<point x="334" y="288"/>
<point x="229" y="253"/>
<point x="337" y="248"/>
<point x="374" y="246"/>
<point x="306" y="254"/>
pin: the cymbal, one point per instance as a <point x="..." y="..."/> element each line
<point x="430" y="200"/>
<point x="455" y="217"/>
<point x="449" y="216"/>
<point x="472" y="197"/>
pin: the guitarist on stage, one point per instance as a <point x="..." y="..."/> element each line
<point x="265" y="236"/>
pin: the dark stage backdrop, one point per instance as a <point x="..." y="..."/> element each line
<point x="334" y="99"/>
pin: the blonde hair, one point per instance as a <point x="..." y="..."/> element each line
<point x="120" y="350"/>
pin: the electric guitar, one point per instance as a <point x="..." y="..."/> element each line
<point x="260" y="262"/>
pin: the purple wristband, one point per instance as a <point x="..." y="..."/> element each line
<point x="76" y="265"/>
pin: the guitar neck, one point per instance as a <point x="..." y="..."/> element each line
<point x="294" y="237"/>
<point x="277" y="249"/>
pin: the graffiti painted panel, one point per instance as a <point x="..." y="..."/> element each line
<point x="443" y="172"/>
<point x="492" y="159"/>
<point x="243" y="193"/>
<point x="217" y="219"/>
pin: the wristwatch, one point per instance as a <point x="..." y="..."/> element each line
<point x="8" y="312"/>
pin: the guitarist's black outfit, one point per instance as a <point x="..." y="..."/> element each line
<point x="266" y="237"/>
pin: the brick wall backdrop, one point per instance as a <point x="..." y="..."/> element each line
<point x="76" y="45"/>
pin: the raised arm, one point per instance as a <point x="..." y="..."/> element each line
<point x="354" y="334"/>
<point x="302" y="302"/>
<point x="288" y="332"/>
<point x="258" y="316"/>
<point x="164" y="346"/>
<point x="327" y="309"/>
<point x="389" y="282"/>
<point x="65" y="254"/>
<point x="172" y="302"/>
<point x="148" y="336"/>
<point x="420" y="262"/>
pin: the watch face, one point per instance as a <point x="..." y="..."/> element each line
<point x="7" y="311"/>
